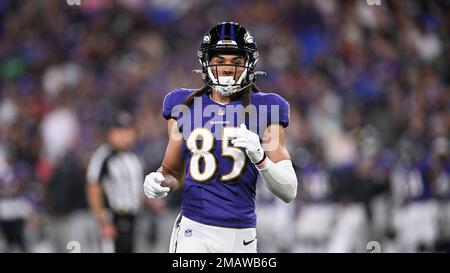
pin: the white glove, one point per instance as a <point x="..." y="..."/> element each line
<point x="250" y="141"/>
<point x="152" y="185"/>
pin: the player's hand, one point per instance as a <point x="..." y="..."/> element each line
<point x="250" y="142"/>
<point x="152" y="185"/>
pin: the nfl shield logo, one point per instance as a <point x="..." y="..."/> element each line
<point x="188" y="232"/>
<point x="221" y="112"/>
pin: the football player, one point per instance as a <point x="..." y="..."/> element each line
<point x="221" y="137"/>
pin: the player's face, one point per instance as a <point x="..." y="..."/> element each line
<point x="227" y="65"/>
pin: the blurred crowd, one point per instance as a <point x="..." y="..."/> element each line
<point x="368" y="86"/>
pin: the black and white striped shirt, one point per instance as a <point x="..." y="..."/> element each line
<point x="121" y="175"/>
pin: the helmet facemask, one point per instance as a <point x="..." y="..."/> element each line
<point x="227" y="85"/>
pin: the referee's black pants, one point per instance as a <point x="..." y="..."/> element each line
<point x="124" y="241"/>
<point x="13" y="231"/>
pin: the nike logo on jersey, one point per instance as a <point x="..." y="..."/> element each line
<point x="247" y="243"/>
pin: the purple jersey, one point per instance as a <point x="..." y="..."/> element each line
<point x="220" y="181"/>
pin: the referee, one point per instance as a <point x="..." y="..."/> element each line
<point x="116" y="172"/>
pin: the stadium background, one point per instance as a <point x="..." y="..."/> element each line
<point x="370" y="114"/>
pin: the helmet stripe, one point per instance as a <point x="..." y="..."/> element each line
<point x="222" y="32"/>
<point x="232" y="31"/>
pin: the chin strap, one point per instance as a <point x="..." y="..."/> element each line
<point x="230" y="89"/>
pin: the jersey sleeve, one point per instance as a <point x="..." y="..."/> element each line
<point x="280" y="110"/>
<point x="173" y="100"/>
<point x="96" y="165"/>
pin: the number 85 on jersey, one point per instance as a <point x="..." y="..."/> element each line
<point x="204" y="153"/>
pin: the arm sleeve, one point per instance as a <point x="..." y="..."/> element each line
<point x="280" y="178"/>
